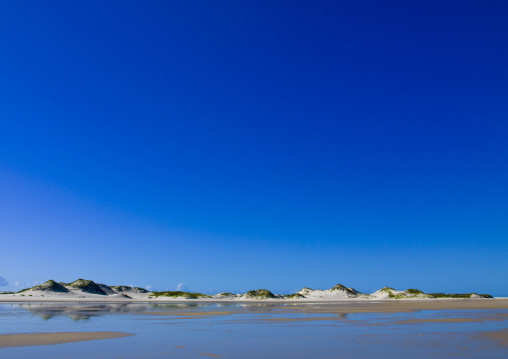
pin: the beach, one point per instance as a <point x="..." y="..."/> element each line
<point x="476" y="328"/>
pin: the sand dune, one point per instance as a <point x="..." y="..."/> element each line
<point x="87" y="290"/>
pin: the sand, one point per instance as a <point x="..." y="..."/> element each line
<point x="483" y="317"/>
<point x="393" y="306"/>
<point x="211" y="355"/>
<point x="317" y="307"/>
<point x="340" y="310"/>
<point x="22" y="340"/>
<point x="307" y="319"/>
<point x="191" y="313"/>
<point x="500" y="336"/>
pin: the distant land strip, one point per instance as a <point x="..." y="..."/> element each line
<point x="83" y="289"/>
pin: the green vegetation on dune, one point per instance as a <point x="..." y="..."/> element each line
<point x="227" y="294"/>
<point x="125" y="288"/>
<point x="414" y="291"/>
<point x="487" y="296"/>
<point x="408" y="293"/>
<point x="460" y="295"/>
<point x="408" y="296"/>
<point x="293" y="296"/>
<point x="91" y="287"/>
<point x="50" y="282"/>
<point x="339" y="287"/>
<point x="87" y="286"/>
<point x="49" y="286"/>
<point x="260" y="294"/>
<point x="79" y="283"/>
<point x="444" y="295"/>
<point x="178" y="294"/>
<point x="141" y="290"/>
<point x="343" y="288"/>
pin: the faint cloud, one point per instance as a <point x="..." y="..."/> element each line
<point x="16" y="284"/>
<point x="181" y="287"/>
<point x="148" y="287"/>
<point x="207" y="291"/>
<point x="3" y="282"/>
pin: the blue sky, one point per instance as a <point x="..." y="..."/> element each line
<point x="241" y="145"/>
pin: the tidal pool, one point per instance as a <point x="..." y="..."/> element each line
<point x="249" y="330"/>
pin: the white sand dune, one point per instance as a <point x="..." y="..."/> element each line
<point x="87" y="290"/>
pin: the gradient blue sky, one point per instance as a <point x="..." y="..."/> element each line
<point x="233" y="145"/>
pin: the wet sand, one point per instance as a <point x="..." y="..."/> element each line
<point x="191" y="313"/>
<point x="211" y="355"/>
<point x="323" y="310"/>
<point x="394" y="306"/>
<point x="326" y="328"/>
<point x="484" y="317"/>
<point x="22" y="340"/>
<point x="339" y="308"/>
<point x="307" y="319"/>
<point x="499" y="336"/>
<point x="333" y="310"/>
<point x="338" y="311"/>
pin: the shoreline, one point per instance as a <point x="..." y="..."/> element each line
<point x="214" y="300"/>
<point x="349" y="306"/>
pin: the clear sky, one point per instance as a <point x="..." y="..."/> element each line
<point x="236" y="145"/>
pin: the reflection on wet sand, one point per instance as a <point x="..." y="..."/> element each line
<point x="23" y="340"/>
<point x="78" y="311"/>
<point x="257" y="329"/>
<point x="83" y="311"/>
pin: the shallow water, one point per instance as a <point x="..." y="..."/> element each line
<point x="197" y="330"/>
